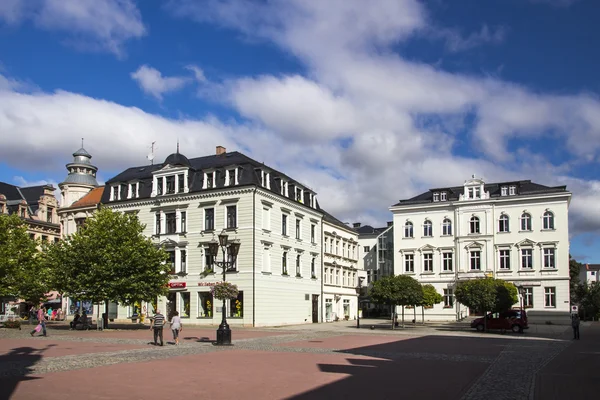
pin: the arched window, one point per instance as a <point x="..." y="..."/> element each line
<point x="408" y="229"/>
<point x="525" y="222"/>
<point x="503" y="223"/>
<point x="427" y="228"/>
<point x="548" y="220"/>
<point x="447" y="227"/>
<point x="474" y="225"/>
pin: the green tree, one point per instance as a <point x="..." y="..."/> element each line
<point x="487" y="294"/>
<point x="590" y="300"/>
<point x="110" y="259"/>
<point x="431" y="297"/>
<point x="22" y="274"/>
<point x="399" y="290"/>
<point x="574" y="271"/>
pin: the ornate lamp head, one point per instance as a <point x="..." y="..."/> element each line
<point x="223" y="238"/>
<point x="213" y="248"/>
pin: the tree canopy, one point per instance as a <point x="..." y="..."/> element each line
<point x="431" y="296"/>
<point x="401" y="290"/>
<point x="487" y="294"/>
<point x="22" y="272"/>
<point x="574" y="270"/>
<point x="109" y="259"/>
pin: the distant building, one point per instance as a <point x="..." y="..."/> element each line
<point x="341" y="270"/>
<point x="589" y="273"/>
<point x="517" y="231"/>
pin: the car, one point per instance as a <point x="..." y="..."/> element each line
<point x="515" y="320"/>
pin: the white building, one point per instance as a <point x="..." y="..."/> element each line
<point x="516" y="231"/>
<point x="186" y="203"/>
<point x="589" y="273"/>
<point x="341" y="274"/>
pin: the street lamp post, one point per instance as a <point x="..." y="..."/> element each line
<point x="360" y="282"/>
<point x="231" y="249"/>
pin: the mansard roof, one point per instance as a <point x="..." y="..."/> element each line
<point x="368" y="230"/>
<point x="336" y="222"/>
<point x="247" y="175"/>
<point x="524" y="188"/>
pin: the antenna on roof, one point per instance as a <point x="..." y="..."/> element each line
<point x="151" y="155"/>
<point x="177" y="145"/>
<point x="82" y="143"/>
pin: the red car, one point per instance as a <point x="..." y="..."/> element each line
<point x="515" y="320"/>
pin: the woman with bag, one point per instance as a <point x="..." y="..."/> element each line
<point x="176" y="327"/>
<point x="41" y="314"/>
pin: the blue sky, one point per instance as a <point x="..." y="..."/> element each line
<point x="370" y="103"/>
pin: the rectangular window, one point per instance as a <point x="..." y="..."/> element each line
<point x="171" y="254"/>
<point x="409" y="263"/>
<point x="299" y="194"/>
<point x="183" y="256"/>
<point x="157" y="223"/>
<point x="209" y="219"/>
<point x="366" y="249"/>
<point x="448" y="298"/>
<point x="313" y="273"/>
<point x="180" y="183"/>
<point x="528" y="297"/>
<point x="550" y="297"/>
<point x="504" y="259"/>
<point x="298" y="265"/>
<point x="170" y="185"/>
<point x="344" y="280"/>
<point x="236" y="306"/>
<point x="266" y="218"/>
<point x="284" y="270"/>
<point x="337" y="277"/>
<point x="443" y="196"/>
<point x="183" y="222"/>
<point x="231" y="217"/>
<point x="549" y="258"/>
<point x="298" y="230"/>
<point x="185" y="304"/>
<point x="428" y="262"/>
<point x="171" y="219"/>
<point x="266" y="261"/>
<point x="512" y="190"/>
<point x="447" y="261"/>
<point x="283" y="224"/>
<point x="210" y="180"/>
<point x="49" y="212"/>
<point x="337" y="247"/>
<point x="504" y="191"/>
<point x="526" y="258"/>
<point x="475" y="258"/>
<point x="436" y="197"/>
<point x="122" y="192"/>
<point x="313" y="228"/>
<point x="159" y="186"/>
<point x="205" y="305"/>
<point x="208" y="260"/>
<point x="44" y="238"/>
<point x="231" y="266"/>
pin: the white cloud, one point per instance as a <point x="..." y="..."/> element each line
<point x="198" y="73"/>
<point x="455" y="42"/>
<point x="90" y="24"/>
<point x="151" y="81"/>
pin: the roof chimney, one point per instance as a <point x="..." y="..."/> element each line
<point x="356" y="225"/>
<point x="390" y="223"/>
<point x="221" y="150"/>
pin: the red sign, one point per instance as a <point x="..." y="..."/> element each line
<point x="177" y="285"/>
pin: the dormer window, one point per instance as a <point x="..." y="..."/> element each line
<point x="180" y="183"/>
<point x="299" y="193"/>
<point x="265" y="179"/>
<point x="209" y="180"/>
<point x="231" y="177"/>
<point x="443" y="196"/>
<point x="311" y="200"/>
<point x="159" y="186"/>
<point x="503" y="191"/>
<point x="170" y="185"/>
<point x="512" y="190"/>
<point x="436" y="197"/>
<point x="284" y="188"/>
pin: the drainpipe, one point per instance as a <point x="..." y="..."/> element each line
<point x="254" y="258"/>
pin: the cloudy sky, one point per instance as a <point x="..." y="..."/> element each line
<point x="365" y="102"/>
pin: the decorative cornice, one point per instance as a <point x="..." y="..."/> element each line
<point x="185" y="197"/>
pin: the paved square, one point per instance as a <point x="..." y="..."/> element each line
<point x="322" y="362"/>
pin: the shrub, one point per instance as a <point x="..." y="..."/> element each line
<point x="13" y="324"/>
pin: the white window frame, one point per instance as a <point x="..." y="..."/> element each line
<point x="436" y="197"/>
<point x="504" y="259"/>
<point x="236" y="217"/>
<point x="550" y="297"/>
<point x="512" y="190"/>
<point x="504" y="223"/>
<point x="409" y="225"/>
<point x="427" y="262"/>
<point x="266" y="218"/>
<point x="529" y="256"/>
<point x="447" y="261"/>
<point x="549" y="257"/>
<point x="427" y="228"/>
<point x="504" y="191"/>
<point x="409" y="261"/>
<point x="526" y="222"/>
<point x="548" y="220"/>
<point x="446" y="227"/>
<point x="475" y="260"/>
<point x="528" y="297"/>
<point x="448" y="298"/>
<point x="443" y="196"/>
<point x="474" y="222"/>
<point x="214" y="180"/>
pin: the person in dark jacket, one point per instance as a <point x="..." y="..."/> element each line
<point x="575" y="325"/>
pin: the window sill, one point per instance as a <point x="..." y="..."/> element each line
<point x="236" y="317"/>
<point x="266" y="273"/>
<point x="499" y="232"/>
<point x="298" y="240"/>
<point x="446" y="235"/>
<point x="427" y="273"/>
<point x="447" y="272"/>
<point x="425" y="237"/>
<point x="299" y="276"/>
<point x="504" y="270"/>
<point x="285" y="236"/>
<point x="266" y="230"/>
<point x="312" y="242"/>
<point x="208" y="231"/>
<point x="445" y="307"/>
<point x="526" y="231"/>
<point x="408" y="237"/>
<point x="286" y="275"/>
<point x="548" y="230"/>
<point x="550" y="307"/>
<point x="526" y="270"/>
<point x="203" y="317"/>
<point x="409" y="272"/>
<point x="313" y="278"/>
<point x="231" y="229"/>
<point x="474" y="271"/>
<point x="549" y="269"/>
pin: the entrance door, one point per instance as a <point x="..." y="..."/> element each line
<point x="171" y="304"/>
<point x="315" y="308"/>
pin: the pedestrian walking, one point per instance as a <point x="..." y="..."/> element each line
<point x="158" y="322"/>
<point x="41" y="316"/>
<point x="32" y="314"/>
<point x="176" y="327"/>
<point x="575" y="325"/>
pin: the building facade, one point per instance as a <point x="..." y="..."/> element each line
<point x="517" y="231"/>
<point x="186" y="203"/>
<point x="341" y="273"/>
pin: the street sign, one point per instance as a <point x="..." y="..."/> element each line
<point x="574" y="310"/>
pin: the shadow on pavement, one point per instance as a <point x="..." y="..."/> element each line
<point x="427" y="367"/>
<point x="16" y="366"/>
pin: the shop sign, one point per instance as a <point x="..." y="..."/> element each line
<point x="177" y="285"/>
<point x="207" y="283"/>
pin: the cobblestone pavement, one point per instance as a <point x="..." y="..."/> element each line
<point x="507" y="365"/>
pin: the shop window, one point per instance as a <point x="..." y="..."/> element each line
<point x="236" y="306"/>
<point x="205" y="305"/>
<point x="347" y="308"/>
<point x="185" y="305"/>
